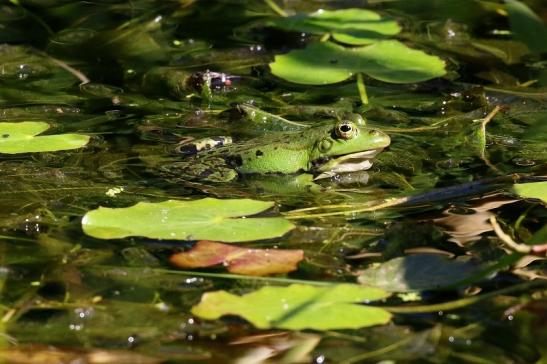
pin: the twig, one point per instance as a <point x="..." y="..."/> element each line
<point x="78" y="74"/>
<point x="485" y="121"/>
<point x="73" y="71"/>
<point x="520" y="248"/>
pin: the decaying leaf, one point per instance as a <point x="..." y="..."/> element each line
<point x="256" y="262"/>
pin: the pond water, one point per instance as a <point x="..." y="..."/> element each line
<point x="120" y="244"/>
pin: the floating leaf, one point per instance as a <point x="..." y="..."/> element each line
<point x="299" y="307"/>
<point x="532" y="190"/>
<point x="539" y="237"/>
<point x="417" y="272"/>
<point x="21" y="137"/>
<point x="325" y="62"/>
<point x="350" y="26"/>
<point x="526" y="26"/>
<point x="205" y="219"/>
<point x="256" y="262"/>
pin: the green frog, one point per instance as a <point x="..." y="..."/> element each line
<point x="323" y="150"/>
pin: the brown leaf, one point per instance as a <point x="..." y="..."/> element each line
<point x="255" y="262"/>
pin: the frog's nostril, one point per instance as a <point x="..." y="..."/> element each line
<point x="374" y="132"/>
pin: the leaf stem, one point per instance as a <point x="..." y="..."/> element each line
<point x="325" y="37"/>
<point x="276" y="8"/>
<point x="233" y="276"/>
<point x="362" y="89"/>
<point x="462" y="302"/>
<point x="377" y="352"/>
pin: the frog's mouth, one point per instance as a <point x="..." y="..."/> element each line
<point x="346" y="163"/>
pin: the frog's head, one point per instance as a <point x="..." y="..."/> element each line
<point x="347" y="147"/>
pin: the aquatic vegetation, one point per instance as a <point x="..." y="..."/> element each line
<point x="213" y="219"/>
<point x="299" y="306"/>
<point x="166" y="195"/>
<point x="20" y="137"/>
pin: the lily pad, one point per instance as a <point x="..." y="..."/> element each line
<point x="299" y="307"/>
<point x="527" y="26"/>
<point x="532" y="190"/>
<point x="417" y="273"/>
<point x="21" y="137"/>
<point x="255" y="262"/>
<point x="324" y="63"/>
<point x="205" y="219"/>
<point x="350" y="26"/>
<point x="539" y="237"/>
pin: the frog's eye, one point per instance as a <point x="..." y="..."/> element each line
<point x="325" y="145"/>
<point x="346" y="130"/>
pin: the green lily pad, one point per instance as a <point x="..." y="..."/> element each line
<point x="349" y="26"/>
<point x="417" y="273"/>
<point x="539" y="237"/>
<point x="20" y="137"/>
<point x="205" y="219"/>
<point x="527" y="26"/>
<point x="299" y="307"/>
<point x="325" y="63"/>
<point x="532" y="190"/>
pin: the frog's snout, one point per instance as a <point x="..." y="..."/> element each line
<point x="379" y="138"/>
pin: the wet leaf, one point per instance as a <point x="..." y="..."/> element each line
<point x="417" y="272"/>
<point x="325" y="62"/>
<point x="526" y="26"/>
<point x="532" y="190"/>
<point x="299" y="306"/>
<point x="539" y="237"/>
<point x="20" y="137"/>
<point x="205" y="219"/>
<point x="256" y="262"/>
<point x="350" y="26"/>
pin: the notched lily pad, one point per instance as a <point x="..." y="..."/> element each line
<point x="205" y="219"/>
<point x="299" y="307"/>
<point x="350" y="26"/>
<point x="325" y="63"/>
<point x="256" y="262"/>
<point x="21" y="137"/>
<point x="417" y="273"/>
<point x="532" y="190"/>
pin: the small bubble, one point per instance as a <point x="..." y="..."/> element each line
<point x="523" y="162"/>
